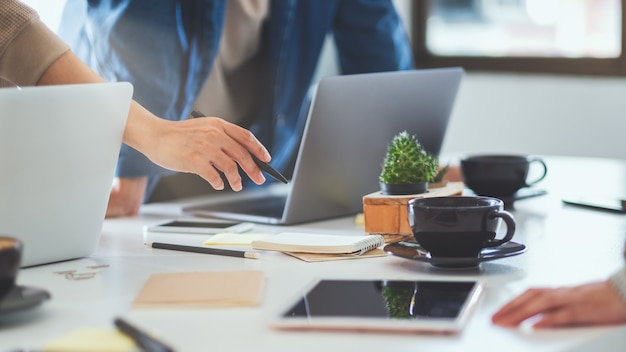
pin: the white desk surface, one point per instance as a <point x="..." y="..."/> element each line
<point x="566" y="245"/>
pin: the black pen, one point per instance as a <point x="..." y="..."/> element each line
<point x="261" y="164"/>
<point x="142" y="339"/>
<point x="205" y="250"/>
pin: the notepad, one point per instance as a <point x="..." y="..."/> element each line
<point x="202" y="289"/>
<point x="319" y="243"/>
<point x="321" y="257"/>
<point x="235" y="239"/>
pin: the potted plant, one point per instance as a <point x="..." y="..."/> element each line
<point x="407" y="168"/>
<point x="438" y="180"/>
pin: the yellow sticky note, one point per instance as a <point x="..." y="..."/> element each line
<point x="235" y="239"/>
<point x="92" y="340"/>
<point x="359" y="219"/>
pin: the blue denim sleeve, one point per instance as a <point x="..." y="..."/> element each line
<point x="165" y="48"/>
<point x="370" y="37"/>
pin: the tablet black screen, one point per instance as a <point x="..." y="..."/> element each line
<point x="383" y="299"/>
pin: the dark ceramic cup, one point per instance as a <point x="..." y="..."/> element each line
<point x="10" y="257"/>
<point x="499" y="175"/>
<point x="458" y="226"/>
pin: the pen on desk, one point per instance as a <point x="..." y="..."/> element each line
<point x="205" y="250"/>
<point x="261" y="164"/>
<point x="142" y="339"/>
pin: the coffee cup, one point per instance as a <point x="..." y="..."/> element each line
<point x="500" y="175"/>
<point x="10" y="257"/>
<point x="458" y="226"/>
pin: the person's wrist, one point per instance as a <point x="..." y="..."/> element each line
<point x="618" y="280"/>
<point x="143" y="129"/>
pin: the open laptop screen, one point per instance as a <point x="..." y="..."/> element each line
<point x="351" y="121"/>
<point x="58" y="151"/>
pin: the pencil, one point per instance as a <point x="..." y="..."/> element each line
<point x="205" y="250"/>
<point x="261" y="164"/>
<point x="142" y="339"/>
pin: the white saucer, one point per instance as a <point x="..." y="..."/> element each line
<point x="412" y="250"/>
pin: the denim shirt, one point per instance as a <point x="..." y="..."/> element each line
<point x="166" y="48"/>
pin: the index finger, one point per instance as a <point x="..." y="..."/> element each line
<point x="524" y="306"/>
<point x="249" y="141"/>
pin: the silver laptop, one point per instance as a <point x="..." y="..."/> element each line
<point x="58" y="151"/>
<point x="351" y="121"/>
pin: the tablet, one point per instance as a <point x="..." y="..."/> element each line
<point x="382" y="305"/>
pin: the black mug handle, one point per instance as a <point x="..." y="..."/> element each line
<point x="510" y="228"/>
<point x="545" y="170"/>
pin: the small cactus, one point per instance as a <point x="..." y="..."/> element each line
<point x="407" y="162"/>
<point x="441" y="174"/>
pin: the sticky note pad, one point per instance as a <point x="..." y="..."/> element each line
<point x="92" y="340"/>
<point x="202" y="289"/>
<point x="235" y="239"/>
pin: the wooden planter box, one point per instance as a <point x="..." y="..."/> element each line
<point x="387" y="214"/>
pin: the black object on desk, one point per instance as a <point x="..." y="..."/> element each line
<point x="523" y="193"/>
<point x="142" y="339"/>
<point x="19" y="298"/>
<point x="205" y="250"/>
<point x="615" y="205"/>
<point x="14" y="298"/>
<point x="413" y="251"/>
<point x="261" y="164"/>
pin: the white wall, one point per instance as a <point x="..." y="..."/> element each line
<point x="50" y="11"/>
<point x="539" y="114"/>
<point x="536" y="114"/>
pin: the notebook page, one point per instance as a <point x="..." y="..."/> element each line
<point x="319" y="243"/>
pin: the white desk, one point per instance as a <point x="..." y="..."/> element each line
<point x="566" y="245"/>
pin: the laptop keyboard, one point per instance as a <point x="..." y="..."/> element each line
<point x="270" y="206"/>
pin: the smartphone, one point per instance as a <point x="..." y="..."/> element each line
<point x="200" y="226"/>
<point x="611" y="204"/>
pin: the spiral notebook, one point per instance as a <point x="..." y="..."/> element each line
<point x="319" y="243"/>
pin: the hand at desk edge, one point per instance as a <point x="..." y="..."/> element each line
<point x="591" y="304"/>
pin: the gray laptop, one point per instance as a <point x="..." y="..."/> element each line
<point x="58" y="151"/>
<point x="351" y="121"/>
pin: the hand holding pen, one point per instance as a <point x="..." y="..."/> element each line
<point x="261" y="164"/>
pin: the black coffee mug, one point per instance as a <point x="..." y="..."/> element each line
<point x="499" y="175"/>
<point x="10" y="257"/>
<point x="458" y="226"/>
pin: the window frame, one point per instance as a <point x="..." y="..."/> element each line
<point x="583" y="66"/>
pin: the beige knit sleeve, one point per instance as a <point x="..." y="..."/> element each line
<point x="27" y="46"/>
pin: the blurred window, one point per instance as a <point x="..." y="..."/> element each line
<point x="567" y="36"/>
